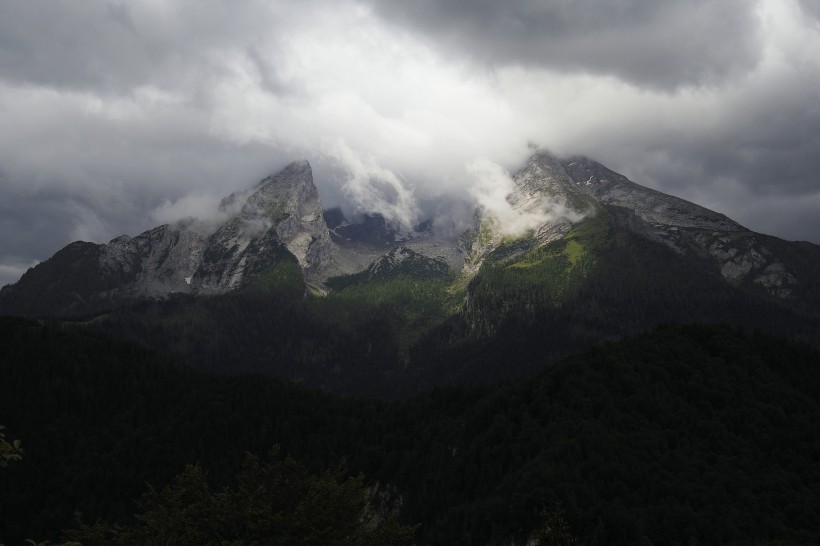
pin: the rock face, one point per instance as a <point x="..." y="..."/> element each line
<point x="281" y="209"/>
<point x="685" y="227"/>
<point x="279" y="219"/>
<point x="362" y="245"/>
<point x="290" y="202"/>
<point x="161" y="260"/>
<point x="564" y="191"/>
<point x="407" y="260"/>
<point x="658" y="210"/>
<point x="544" y="196"/>
<point x="373" y="230"/>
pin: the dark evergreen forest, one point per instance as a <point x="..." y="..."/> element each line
<point x="692" y="434"/>
<point x="600" y="389"/>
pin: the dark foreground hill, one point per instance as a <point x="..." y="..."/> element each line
<point x="689" y="434"/>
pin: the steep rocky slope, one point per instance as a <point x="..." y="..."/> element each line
<point x="279" y="219"/>
<point x="685" y="227"/>
<point x="544" y="200"/>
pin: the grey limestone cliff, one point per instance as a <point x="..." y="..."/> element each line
<point x="543" y="193"/>
<point x="282" y="209"/>
<point x="279" y="219"/>
<point x="684" y="227"/>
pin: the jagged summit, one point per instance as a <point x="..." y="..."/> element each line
<point x="544" y="205"/>
<point x="281" y="219"/>
<point x="563" y="191"/>
<point x="270" y="191"/>
<point x="293" y="169"/>
<point x="545" y="175"/>
<point x="278" y="219"/>
<point x="289" y="200"/>
<point x="292" y="175"/>
<point x="543" y="187"/>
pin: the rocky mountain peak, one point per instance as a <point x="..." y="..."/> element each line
<point x="293" y="174"/>
<point x="275" y="195"/>
<point x="544" y="200"/>
<point x="279" y="217"/>
<point x="289" y="202"/>
<point x="544" y="179"/>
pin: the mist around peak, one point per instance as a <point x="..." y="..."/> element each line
<point x="515" y="212"/>
<point x="373" y="189"/>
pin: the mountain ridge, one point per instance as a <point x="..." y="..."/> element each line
<point x="685" y="227"/>
<point x="281" y="219"/>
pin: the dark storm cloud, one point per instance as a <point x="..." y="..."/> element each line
<point x="81" y="45"/>
<point x="661" y="44"/>
<point x="110" y="47"/>
<point x="73" y="167"/>
<point x="751" y="151"/>
<point x="811" y="7"/>
<point x="27" y="231"/>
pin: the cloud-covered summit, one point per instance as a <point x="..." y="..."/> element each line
<point x="115" y="115"/>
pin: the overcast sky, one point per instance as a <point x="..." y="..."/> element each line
<point x="118" y="116"/>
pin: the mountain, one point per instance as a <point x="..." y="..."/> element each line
<point x="284" y="209"/>
<point x="684" y="227"/>
<point x="577" y="255"/>
<point x="537" y="374"/>
<point x="372" y="230"/>
<point x="282" y="218"/>
<point x="568" y="190"/>
<point x="277" y="221"/>
<point x="544" y="203"/>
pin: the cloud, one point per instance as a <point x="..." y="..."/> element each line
<point x="493" y="185"/>
<point x="88" y="226"/>
<point x="736" y="149"/>
<point x="115" y="116"/>
<point x="660" y="44"/>
<point x="802" y="217"/>
<point x="202" y="207"/>
<point x="10" y="272"/>
<point x="811" y="8"/>
<point x="494" y="191"/>
<point x="74" y="157"/>
<point x="111" y="47"/>
<point x="374" y="188"/>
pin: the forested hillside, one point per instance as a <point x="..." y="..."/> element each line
<point x="689" y="433"/>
